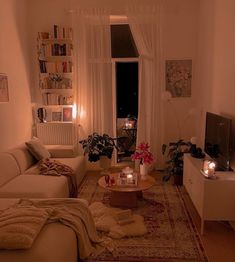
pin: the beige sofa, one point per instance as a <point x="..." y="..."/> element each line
<point x="20" y="178"/>
<point x="19" y="174"/>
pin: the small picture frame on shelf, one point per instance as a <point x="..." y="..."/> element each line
<point x="56" y="116"/>
<point x="67" y="114"/>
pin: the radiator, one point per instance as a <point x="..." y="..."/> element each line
<point x="56" y="133"/>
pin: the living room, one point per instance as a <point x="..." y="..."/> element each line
<point x="202" y="31"/>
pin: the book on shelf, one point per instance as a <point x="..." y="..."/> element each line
<point x="44" y="35"/>
<point x="56" y="99"/>
<point x="55" y="67"/>
<point x="61" y="32"/>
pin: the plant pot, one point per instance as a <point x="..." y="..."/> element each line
<point x="178" y="180"/>
<point x="105" y="162"/>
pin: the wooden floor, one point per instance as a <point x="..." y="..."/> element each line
<point x="218" y="239"/>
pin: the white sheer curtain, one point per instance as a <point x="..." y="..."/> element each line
<point x="94" y="75"/>
<point x="145" y="24"/>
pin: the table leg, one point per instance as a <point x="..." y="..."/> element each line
<point x="124" y="199"/>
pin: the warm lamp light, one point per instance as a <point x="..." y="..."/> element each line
<point x="209" y="168"/>
<point x="166" y="96"/>
<point x="74" y="111"/>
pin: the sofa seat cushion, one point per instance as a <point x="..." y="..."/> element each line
<point x="35" y="186"/>
<point x="78" y="164"/>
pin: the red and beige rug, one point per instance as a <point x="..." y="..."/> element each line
<point x="171" y="234"/>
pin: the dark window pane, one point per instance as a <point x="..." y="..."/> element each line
<point x="122" y="42"/>
<point x="127" y="89"/>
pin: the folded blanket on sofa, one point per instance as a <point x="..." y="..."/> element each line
<point x="70" y="212"/>
<point x="19" y="226"/>
<point x="48" y="167"/>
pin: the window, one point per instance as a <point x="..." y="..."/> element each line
<point x="122" y="42"/>
<point x="127" y="89"/>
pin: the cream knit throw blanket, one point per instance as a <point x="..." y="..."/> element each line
<point x="20" y="225"/>
<point x="50" y="167"/>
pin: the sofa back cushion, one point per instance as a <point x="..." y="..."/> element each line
<point x="8" y="168"/>
<point x="23" y="157"/>
<point x="37" y="149"/>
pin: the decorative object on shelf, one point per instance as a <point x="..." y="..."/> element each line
<point x="175" y="163"/>
<point x="4" y="95"/>
<point x="209" y="168"/>
<point x="55" y="81"/>
<point x="98" y="145"/>
<point x="42" y="114"/>
<point x="145" y="157"/>
<point x="179" y="77"/>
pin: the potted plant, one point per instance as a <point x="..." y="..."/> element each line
<point x="175" y="163"/>
<point x="97" y="146"/>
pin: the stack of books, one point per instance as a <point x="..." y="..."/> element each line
<point x="124" y="217"/>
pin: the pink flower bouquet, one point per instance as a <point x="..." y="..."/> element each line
<point x="143" y="154"/>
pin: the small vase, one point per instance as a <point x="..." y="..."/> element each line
<point x="143" y="171"/>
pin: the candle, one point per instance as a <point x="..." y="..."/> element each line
<point x="211" y="169"/>
<point x="129" y="178"/>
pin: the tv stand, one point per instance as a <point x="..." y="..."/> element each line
<point x="213" y="199"/>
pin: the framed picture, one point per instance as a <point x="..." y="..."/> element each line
<point x="4" y="96"/>
<point x="56" y="116"/>
<point x="179" y="77"/>
<point x="67" y="114"/>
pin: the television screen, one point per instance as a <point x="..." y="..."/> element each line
<point x="218" y="140"/>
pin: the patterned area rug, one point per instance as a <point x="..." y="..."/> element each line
<point x="171" y="233"/>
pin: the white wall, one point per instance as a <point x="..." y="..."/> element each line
<point x="15" y="116"/>
<point x="180" y="32"/>
<point x="216" y="62"/>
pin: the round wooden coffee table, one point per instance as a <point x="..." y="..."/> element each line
<point x="126" y="196"/>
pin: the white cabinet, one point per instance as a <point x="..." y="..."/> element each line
<point x="214" y="199"/>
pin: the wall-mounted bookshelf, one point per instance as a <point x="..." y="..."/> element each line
<point x="55" y="60"/>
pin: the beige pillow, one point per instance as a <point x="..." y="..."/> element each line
<point x="37" y="149"/>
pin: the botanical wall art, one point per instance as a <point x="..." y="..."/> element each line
<point x="4" y="96"/>
<point x="179" y="77"/>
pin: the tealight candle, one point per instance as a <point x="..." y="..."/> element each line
<point x="129" y="178"/>
<point x="209" y="168"/>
